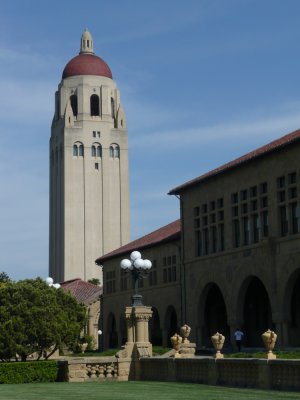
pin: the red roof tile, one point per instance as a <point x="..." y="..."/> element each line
<point x="162" y="235"/>
<point x="260" y="152"/>
<point x="84" y="292"/>
<point x="86" y="64"/>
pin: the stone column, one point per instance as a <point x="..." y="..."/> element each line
<point x="129" y="324"/>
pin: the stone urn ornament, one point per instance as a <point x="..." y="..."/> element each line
<point x="269" y="338"/>
<point x="185" y="331"/>
<point x="176" y="341"/>
<point x="218" y="341"/>
<point x="83" y="347"/>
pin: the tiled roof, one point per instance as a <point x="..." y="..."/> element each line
<point x="86" y="64"/>
<point x="260" y="152"/>
<point x="84" y="292"/>
<point x="162" y="235"/>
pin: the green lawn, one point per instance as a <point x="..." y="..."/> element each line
<point x="134" y="391"/>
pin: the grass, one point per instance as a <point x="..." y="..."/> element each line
<point x="280" y="355"/>
<point x="135" y="391"/>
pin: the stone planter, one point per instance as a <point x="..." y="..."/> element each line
<point x="269" y="338"/>
<point x="218" y="341"/>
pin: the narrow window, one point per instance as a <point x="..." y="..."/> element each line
<point x="236" y="233"/>
<point x="198" y="244"/>
<point x="295" y="218"/>
<point x="117" y="152"/>
<point x="94" y="102"/>
<point x="74" y="104"/>
<point x="255" y="223"/>
<point x="214" y="239"/>
<point x="112" y="102"/>
<point x="265" y="223"/>
<point x="246" y="231"/>
<point x="111" y="152"/>
<point x="94" y="133"/>
<point x="88" y="43"/>
<point x="81" y="150"/>
<point x="96" y="166"/>
<point x="99" y="152"/>
<point x="283" y="221"/>
<point x="222" y="237"/>
<point x="75" y="150"/>
<point x="93" y="151"/>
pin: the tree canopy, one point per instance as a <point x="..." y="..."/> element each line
<point x="37" y="318"/>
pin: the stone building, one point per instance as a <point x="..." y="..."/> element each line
<point x="161" y="289"/>
<point x="238" y="258"/>
<point x="89" y="195"/>
<point x="90" y="295"/>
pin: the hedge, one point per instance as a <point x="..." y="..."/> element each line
<point x="25" y="372"/>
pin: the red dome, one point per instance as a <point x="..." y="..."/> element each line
<point x="86" y="64"/>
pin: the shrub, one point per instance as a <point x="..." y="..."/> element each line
<point x="26" y="372"/>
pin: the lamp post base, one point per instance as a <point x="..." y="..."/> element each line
<point x="137" y="300"/>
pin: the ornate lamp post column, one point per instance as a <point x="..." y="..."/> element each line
<point x="139" y="269"/>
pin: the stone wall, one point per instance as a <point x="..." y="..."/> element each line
<point x="252" y="373"/>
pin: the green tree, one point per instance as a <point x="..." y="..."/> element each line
<point x="94" y="281"/>
<point x="37" y="318"/>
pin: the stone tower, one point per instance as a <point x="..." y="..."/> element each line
<point x="89" y="193"/>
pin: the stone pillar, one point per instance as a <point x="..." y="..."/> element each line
<point x="137" y="345"/>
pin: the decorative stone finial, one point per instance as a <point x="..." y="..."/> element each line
<point x="218" y="341"/>
<point x="269" y="338"/>
<point x="176" y="342"/>
<point x="86" y="44"/>
<point x="185" y="331"/>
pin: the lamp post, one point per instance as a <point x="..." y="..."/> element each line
<point x="138" y="268"/>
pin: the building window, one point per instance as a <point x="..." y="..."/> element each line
<point x="198" y="243"/>
<point x="97" y="166"/>
<point x="169" y="271"/>
<point x="74" y="104"/>
<point x="93" y="151"/>
<point x="94" y="133"/>
<point x="94" y="105"/>
<point x="206" y="242"/>
<point x="214" y="239"/>
<point x="123" y="281"/>
<point x="75" y="150"/>
<point x="81" y="150"/>
<point x="265" y="223"/>
<point x="110" y="282"/>
<point x="283" y="220"/>
<point x="114" y="151"/>
<point x="295" y="215"/>
<point x="153" y="274"/>
<point x="222" y="238"/>
<point x="292" y="178"/>
<point x="281" y="182"/>
<point x="236" y="233"/>
<point x="246" y="231"/>
<point x="255" y="225"/>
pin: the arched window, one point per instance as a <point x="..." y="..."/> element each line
<point x="74" y="104"/>
<point x="81" y="150"/>
<point x="99" y="151"/>
<point x="93" y="151"/>
<point x="114" y="150"/>
<point x="75" y="150"/>
<point x="94" y="100"/>
<point x="111" y="152"/>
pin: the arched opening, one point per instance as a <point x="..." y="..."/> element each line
<point x="171" y="324"/>
<point x="117" y="151"/>
<point x="99" y="151"/>
<point x="94" y="100"/>
<point x="93" y="149"/>
<point x="294" y="310"/>
<point x="257" y="313"/>
<point x="112" y="335"/>
<point x="215" y="315"/>
<point x="154" y="328"/>
<point x="74" y="104"/>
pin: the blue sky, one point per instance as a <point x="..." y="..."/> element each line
<point x="202" y="82"/>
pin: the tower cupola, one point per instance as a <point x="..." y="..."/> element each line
<point x="86" y="44"/>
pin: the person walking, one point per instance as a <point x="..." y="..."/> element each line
<point x="238" y="336"/>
